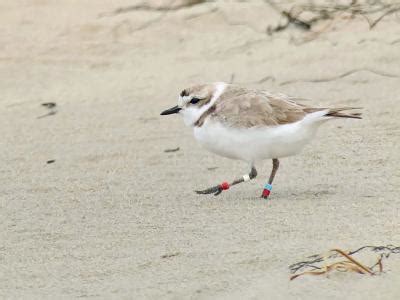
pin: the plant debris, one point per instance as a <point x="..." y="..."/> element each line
<point x="172" y="150"/>
<point x="168" y="255"/>
<point x="52" y="109"/>
<point x="296" y="15"/>
<point x="343" y="75"/>
<point x="155" y="6"/>
<point x="49" y="105"/>
<point x="212" y="168"/>
<point x="350" y="264"/>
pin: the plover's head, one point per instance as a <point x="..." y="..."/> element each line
<point x="196" y="100"/>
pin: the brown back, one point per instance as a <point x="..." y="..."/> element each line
<point x="244" y="108"/>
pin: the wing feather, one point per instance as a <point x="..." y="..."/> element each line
<point x="259" y="109"/>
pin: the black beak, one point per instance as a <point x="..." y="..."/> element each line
<point x="172" y="110"/>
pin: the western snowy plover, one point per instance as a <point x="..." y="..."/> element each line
<point x="250" y="125"/>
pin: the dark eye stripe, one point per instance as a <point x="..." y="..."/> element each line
<point x="194" y="100"/>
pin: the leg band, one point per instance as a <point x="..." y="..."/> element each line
<point x="224" y="186"/>
<point x="246" y="177"/>
<point x="267" y="190"/>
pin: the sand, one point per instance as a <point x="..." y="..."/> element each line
<point x="115" y="216"/>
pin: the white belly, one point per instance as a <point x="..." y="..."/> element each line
<point x="254" y="144"/>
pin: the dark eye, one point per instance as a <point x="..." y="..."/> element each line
<point x="194" y="100"/>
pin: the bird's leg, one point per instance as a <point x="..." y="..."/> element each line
<point x="216" y="190"/>
<point x="268" y="186"/>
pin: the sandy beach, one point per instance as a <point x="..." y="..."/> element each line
<point x="91" y="205"/>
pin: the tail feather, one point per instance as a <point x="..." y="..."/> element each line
<point x="337" y="113"/>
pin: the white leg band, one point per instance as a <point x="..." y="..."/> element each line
<point x="246" y="177"/>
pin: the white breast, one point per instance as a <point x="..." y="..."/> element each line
<point x="254" y="144"/>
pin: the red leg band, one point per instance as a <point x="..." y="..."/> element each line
<point x="224" y="186"/>
<point x="266" y="193"/>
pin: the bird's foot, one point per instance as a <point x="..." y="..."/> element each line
<point x="266" y="191"/>
<point x="216" y="190"/>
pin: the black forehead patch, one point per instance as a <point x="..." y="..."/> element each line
<point x="184" y="93"/>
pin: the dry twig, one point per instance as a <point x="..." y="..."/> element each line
<point x="349" y="265"/>
<point x="345" y="74"/>
<point x="326" y="12"/>
<point x="312" y="266"/>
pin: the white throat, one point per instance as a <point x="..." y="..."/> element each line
<point x="192" y="114"/>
